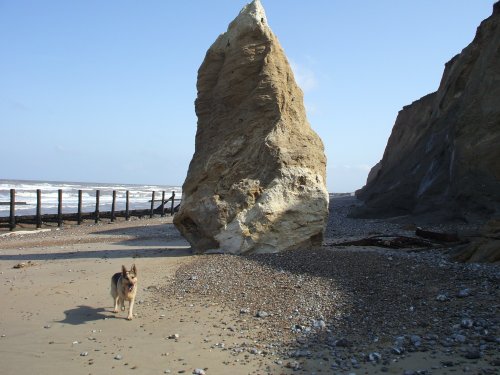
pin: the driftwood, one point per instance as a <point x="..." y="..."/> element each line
<point x="437" y="236"/>
<point x="428" y="239"/>
<point x="392" y="242"/>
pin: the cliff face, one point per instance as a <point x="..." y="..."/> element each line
<point x="443" y="156"/>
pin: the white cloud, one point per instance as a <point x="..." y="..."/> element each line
<point x="311" y="108"/>
<point x="305" y="77"/>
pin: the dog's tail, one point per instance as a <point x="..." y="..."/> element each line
<point x="114" y="284"/>
<point x="115" y="278"/>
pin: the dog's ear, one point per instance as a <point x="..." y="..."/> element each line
<point x="124" y="271"/>
<point x="134" y="269"/>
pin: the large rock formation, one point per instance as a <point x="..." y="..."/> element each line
<point x="443" y="156"/>
<point x="484" y="246"/>
<point x="256" y="182"/>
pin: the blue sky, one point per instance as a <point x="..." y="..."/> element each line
<point x="104" y="91"/>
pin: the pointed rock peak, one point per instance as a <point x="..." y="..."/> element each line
<point x="254" y="11"/>
<point x="251" y="17"/>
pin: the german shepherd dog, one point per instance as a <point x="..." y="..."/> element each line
<point x="124" y="288"/>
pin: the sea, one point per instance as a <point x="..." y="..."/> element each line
<point x="140" y="196"/>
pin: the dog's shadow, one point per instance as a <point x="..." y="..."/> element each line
<point x="84" y="314"/>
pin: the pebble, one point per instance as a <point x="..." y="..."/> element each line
<point x="472" y="354"/>
<point x="459" y="338"/>
<point x="463" y="293"/>
<point x="199" y="371"/>
<point x="319" y="324"/>
<point x="300" y="353"/>
<point x="374" y="357"/>
<point x="174" y="336"/>
<point x="293" y="365"/>
<point x="398" y="350"/>
<point x="343" y="343"/>
<point x="245" y="311"/>
<point x="118" y="357"/>
<point x="466" y="323"/>
<point x="416" y="340"/>
<point x="400" y="340"/>
<point x="262" y="314"/>
<point x="442" y="298"/>
<point x="84" y="354"/>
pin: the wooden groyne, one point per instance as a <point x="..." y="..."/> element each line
<point x="166" y="206"/>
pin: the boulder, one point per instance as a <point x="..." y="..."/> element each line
<point x="256" y="182"/>
<point x="442" y="160"/>
<point x="483" y="248"/>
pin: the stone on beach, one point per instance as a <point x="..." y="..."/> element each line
<point x="256" y="182"/>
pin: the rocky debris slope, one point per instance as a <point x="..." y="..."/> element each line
<point x="443" y="156"/>
<point x="300" y="305"/>
<point x="256" y="182"/>
<point x="341" y="309"/>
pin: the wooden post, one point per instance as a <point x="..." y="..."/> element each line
<point x="163" y="203"/>
<point x="96" y="214"/>
<point x="79" y="215"/>
<point x="152" y="205"/>
<point x="127" y="200"/>
<point x="12" y="222"/>
<point x="59" y="208"/>
<point x="172" y="205"/>
<point x="38" y="208"/>
<point x="113" y="203"/>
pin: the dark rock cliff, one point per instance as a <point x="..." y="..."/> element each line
<point x="442" y="159"/>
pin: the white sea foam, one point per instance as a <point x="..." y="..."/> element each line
<point x="140" y="196"/>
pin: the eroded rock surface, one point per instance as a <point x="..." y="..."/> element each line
<point x="256" y="182"/>
<point x="443" y="156"/>
<point x="484" y="247"/>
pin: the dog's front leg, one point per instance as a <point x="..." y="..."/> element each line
<point x="115" y="310"/>
<point x="122" y="300"/>
<point x="131" y="309"/>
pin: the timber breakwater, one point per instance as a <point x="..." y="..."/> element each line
<point x="36" y="203"/>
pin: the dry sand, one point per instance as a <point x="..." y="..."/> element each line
<point x="56" y="317"/>
<point x="56" y="311"/>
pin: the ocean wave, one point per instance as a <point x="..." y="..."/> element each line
<point x="140" y="196"/>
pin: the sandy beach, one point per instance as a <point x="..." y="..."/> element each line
<point x="334" y="309"/>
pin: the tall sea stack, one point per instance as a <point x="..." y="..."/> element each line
<point x="256" y="182"/>
<point x="442" y="160"/>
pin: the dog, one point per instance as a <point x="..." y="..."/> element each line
<point x="124" y="288"/>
